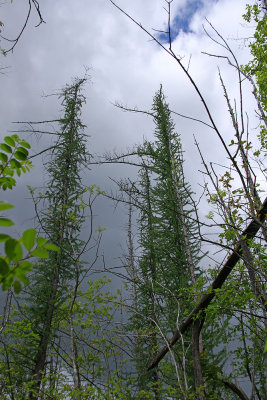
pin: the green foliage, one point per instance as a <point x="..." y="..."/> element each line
<point x="234" y="321"/>
<point x="257" y="66"/>
<point x="235" y="327"/>
<point x="14" y="265"/>
<point x="96" y="348"/>
<point x="54" y="302"/>
<point x="18" y="337"/>
<point x="13" y="159"/>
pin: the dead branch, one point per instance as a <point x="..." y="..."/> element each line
<point x="232" y="260"/>
<point x="36" y="5"/>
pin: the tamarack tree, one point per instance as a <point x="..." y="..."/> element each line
<point x="61" y="222"/>
<point x="166" y="265"/>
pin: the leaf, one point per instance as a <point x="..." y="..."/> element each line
<point x="26" y="266"/>
<point x="15" y="137"/>
<point x="52" y="247"/>
<point x="28" y="238"/>
<point x="3" y="237"/>
<point x="3" y="267"/>
<point x="21" y="275"/>
<point x="23" y="150"/>
<point x="13" y="250"/>
<point x="5" y="206"/>
<point x="7" y="183"/>
<point x="40" y="252"/>
<point x="25" y="144"/>
<point x="6" y="148"/>
<point x="3" y="157"/>
<point x="6" y="222"/>
<point x="8" y="171"/>
<point x="9" y="141"/>
<point x="14" y="163"/>
<point x="20" y="156"/>
<point x="17" y="287"/>
<point x="7" y="282"/>
<point x="41" y="241"/>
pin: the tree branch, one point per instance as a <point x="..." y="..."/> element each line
<point x="232" y="260"/>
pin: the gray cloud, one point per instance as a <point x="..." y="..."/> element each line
<point x="126" y="67"/>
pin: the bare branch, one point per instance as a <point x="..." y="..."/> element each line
<point x="36" y="5"/>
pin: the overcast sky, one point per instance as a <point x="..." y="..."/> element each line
<point x="125" y="66"/>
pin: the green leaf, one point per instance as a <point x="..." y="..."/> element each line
<point x="20" y="156"/>
<point x="6" y="222"/>
<point x="3" y="237"/>
<point x="9" y="141"/>
<point x="14" y="163"/>
<point x="7" y="281"/>
<point x="21" y="275"/>
<point x="7" y="183"/>
<point x="13" y="250"/>
<point x="26" y="266"/>
<point x="52" y="247"/>
<point x="40" y="252"/>
<point x="15" y="137"/>
<point x="3" y="157"/>
<point x="28" y="238"/>
<point x="6" y="148"/>
<point x="17" y="287"/>
<point x="18" y="171"/>
<point x="5" y="206"/>
<point x="23" y="150"/>
<point x="8" y="171"/>
<point x="25" y="144"/>
<point x="41" y="241"/>
<point x="3" y="267"/>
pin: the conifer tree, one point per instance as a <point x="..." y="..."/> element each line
<point x="61" y="221"/>
<point x="168" y="263"/>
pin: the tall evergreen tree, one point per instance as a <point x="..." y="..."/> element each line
<point x="168" y="264"/>
<point x="62" y="221"/>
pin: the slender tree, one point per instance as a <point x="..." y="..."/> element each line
<point x="61" y="221"/>
<point x="168" y="259"/>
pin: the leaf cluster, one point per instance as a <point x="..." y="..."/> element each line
<point x="15" y="265"/>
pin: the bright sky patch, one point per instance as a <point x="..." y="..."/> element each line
<point x="181" y="22"/>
